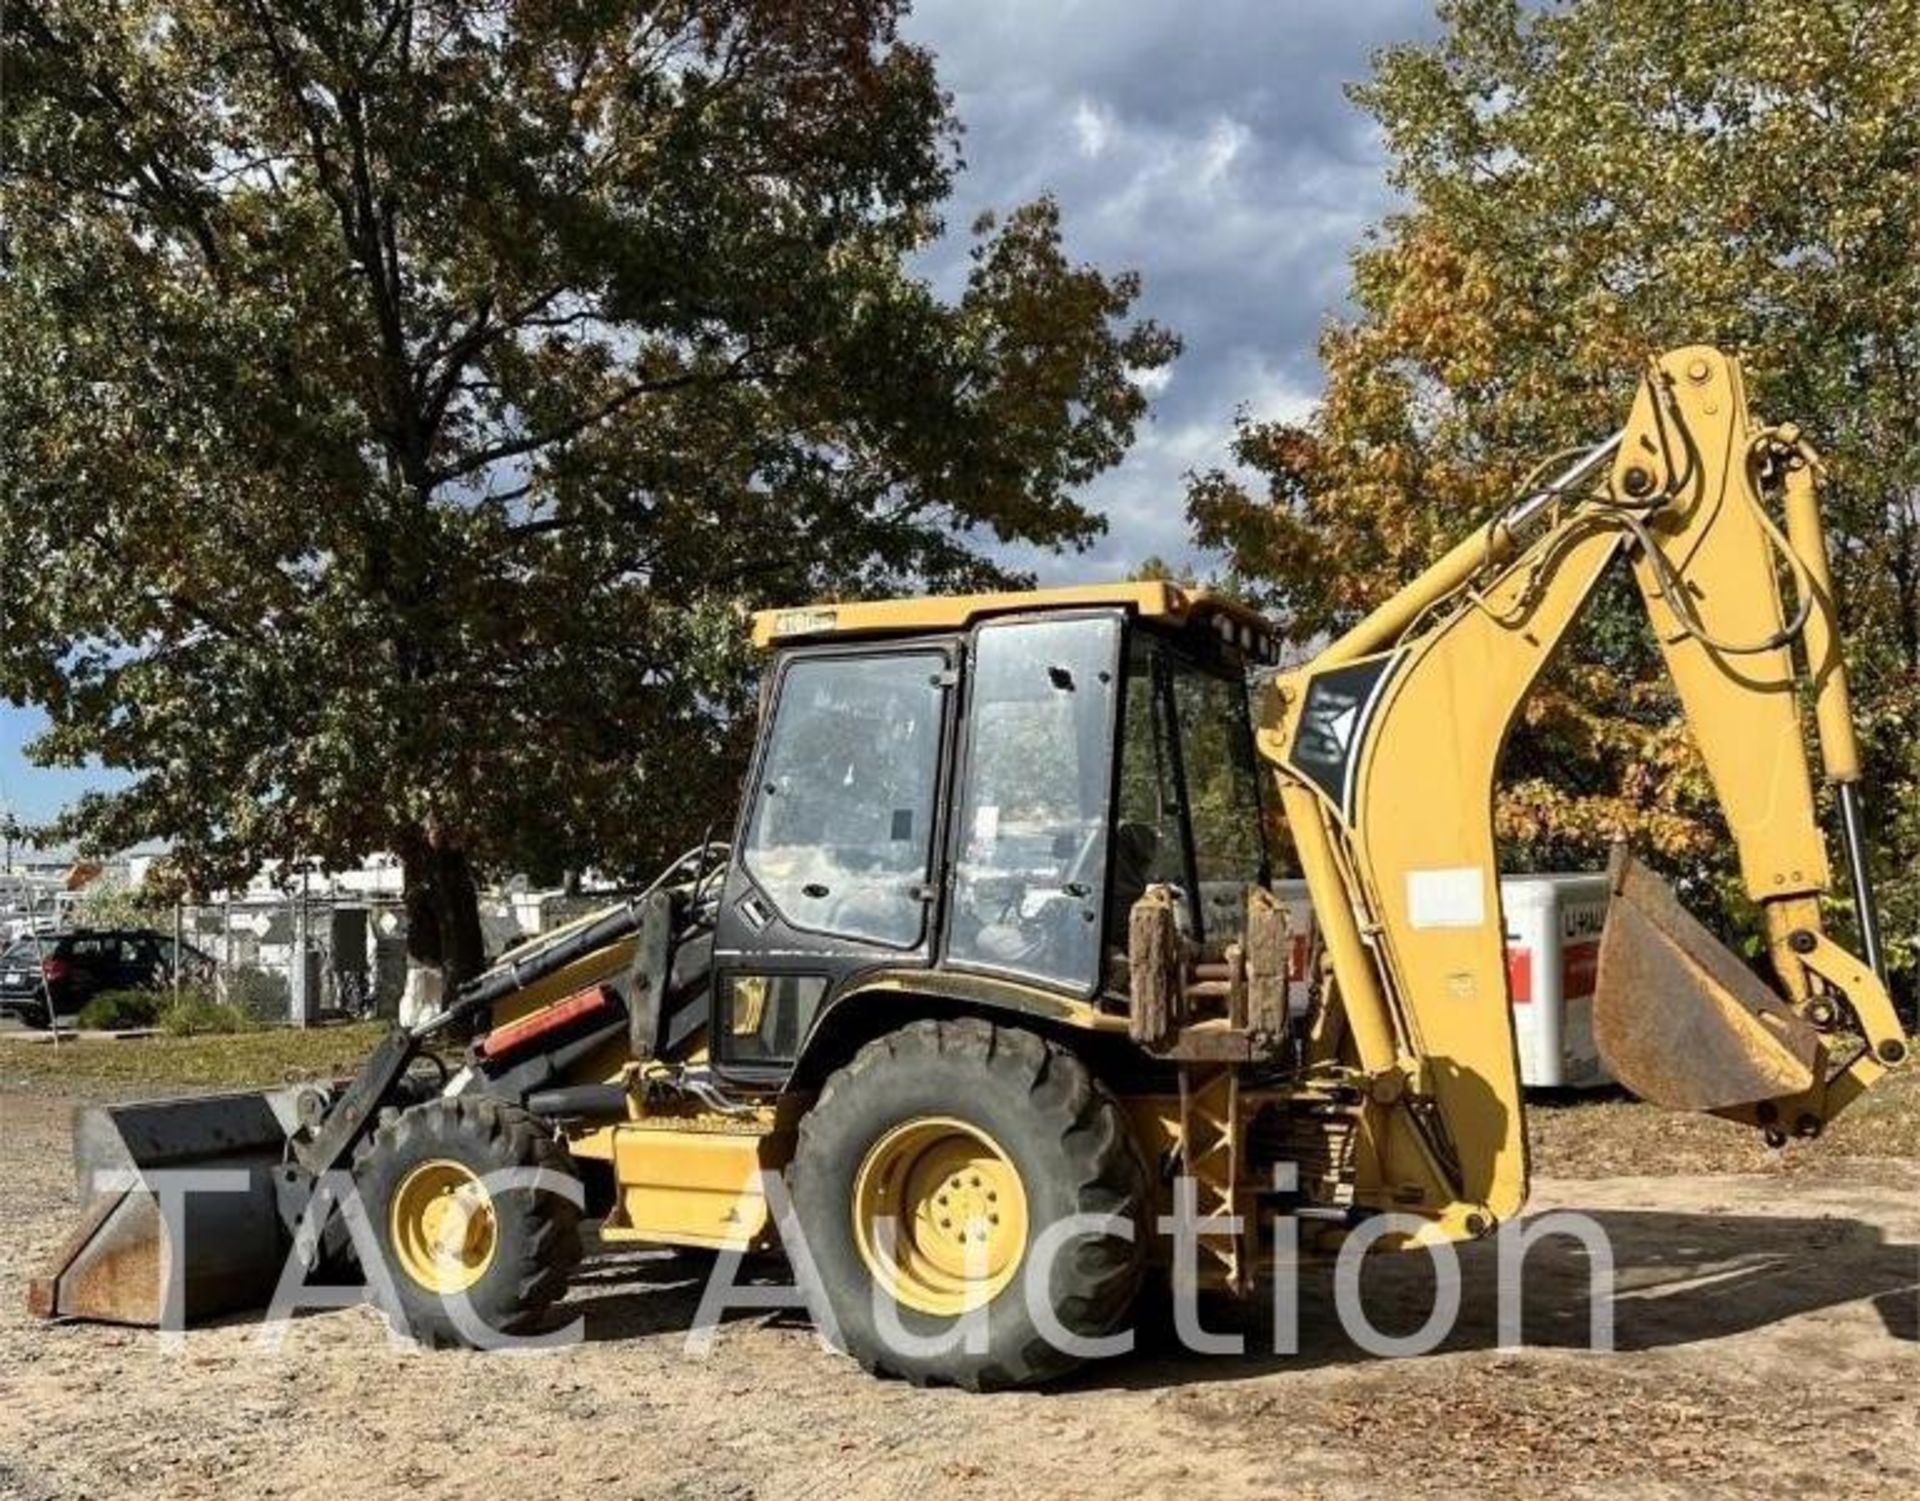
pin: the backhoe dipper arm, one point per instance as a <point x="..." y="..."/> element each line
<point x="1386" y="746"/>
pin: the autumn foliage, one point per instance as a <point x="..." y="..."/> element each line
<point x="1585" y="185"/>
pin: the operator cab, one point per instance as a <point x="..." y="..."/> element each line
<point x="974" y="791"/>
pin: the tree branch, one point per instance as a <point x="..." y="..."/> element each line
<point x="573" y="427"/>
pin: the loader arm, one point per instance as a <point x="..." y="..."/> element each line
<point x="1386" y="745"/>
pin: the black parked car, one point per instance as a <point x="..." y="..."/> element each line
<point x="69" y="969"/>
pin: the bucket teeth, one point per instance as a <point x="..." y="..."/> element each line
<point x="1679" y="1020"/>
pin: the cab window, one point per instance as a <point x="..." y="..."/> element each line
<point x="1150" y="833"/>
<point x="1031" y="819"/>
<point x="1223" y="778"/>
<point x="1189" y="805"/>
<point x="843" y="814"/>
<point x="764" y="1018"/>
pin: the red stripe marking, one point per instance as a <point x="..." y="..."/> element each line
<point x="1297" y="952"/>
<point x="516" y="1034"/>
<point x="1579" y="968"/>
<point x="1520" y="975"/>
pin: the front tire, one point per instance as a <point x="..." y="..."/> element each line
<point x="926" y="1172"/>
<point x="468" y="1258"/>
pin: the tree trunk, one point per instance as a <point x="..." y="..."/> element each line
<point x="444" y="944"/>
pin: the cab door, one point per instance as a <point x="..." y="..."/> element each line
<point x="834" y="863"/>
<point x="1034" y="801"/>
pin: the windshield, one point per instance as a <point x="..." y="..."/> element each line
<point x="1189" y="812"/>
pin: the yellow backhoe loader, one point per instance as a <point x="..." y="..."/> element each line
<point x="993" y="947"/>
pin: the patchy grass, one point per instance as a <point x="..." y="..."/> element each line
<point x="1612" y="1136"/>
<point x="240" y="1060"/>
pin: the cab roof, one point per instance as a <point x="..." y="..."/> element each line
<point x="1234" y="624"/>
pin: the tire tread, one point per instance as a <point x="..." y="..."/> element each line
<point x="1103" y="1164"/>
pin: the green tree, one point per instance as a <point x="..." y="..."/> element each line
<point x="402" y="401"/>
<point x="1584" y="184"/>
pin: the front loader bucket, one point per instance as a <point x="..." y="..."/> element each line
<point x="179" y="1219"/>
<point x="1678" y="1019"/>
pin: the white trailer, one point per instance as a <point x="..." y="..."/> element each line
<point x="1553" y="925"/>
<point x="1553" y="948"/>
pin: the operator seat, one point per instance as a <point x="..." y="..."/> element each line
<point x="1135" y="845"/>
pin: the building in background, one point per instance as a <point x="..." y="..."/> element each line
<point x="291" y="942"/>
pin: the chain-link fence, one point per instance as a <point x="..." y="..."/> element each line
<point x="303" y="957"/>
<point x="297" y="957"/>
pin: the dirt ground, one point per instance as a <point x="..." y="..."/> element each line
<point x="1767" y="1331"/>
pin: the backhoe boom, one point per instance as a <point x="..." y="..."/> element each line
<point x="1386" y="747"/>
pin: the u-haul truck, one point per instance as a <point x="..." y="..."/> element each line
<point x="1553" y="949"/>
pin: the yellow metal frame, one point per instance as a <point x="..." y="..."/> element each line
<point x="694" y="1180"/>
<point x="1151" y="599"/>
<point x="1419" y="992"/>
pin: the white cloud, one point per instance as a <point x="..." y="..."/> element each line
<point x="1093" y="126"/>
<point x="1225" y="141"/>
<point x="1152" y="382"/>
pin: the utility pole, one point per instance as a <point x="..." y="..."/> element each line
<point x="300" y="998"/>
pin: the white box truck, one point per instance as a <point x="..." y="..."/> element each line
<point x="1553" y="950"/>
<point x="1553" y="927"/>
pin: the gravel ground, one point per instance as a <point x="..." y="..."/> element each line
<point x="1767" y="1334"/>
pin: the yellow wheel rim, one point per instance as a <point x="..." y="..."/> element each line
<point x="442" y="1228"/>
<point x="939" y="1215"/>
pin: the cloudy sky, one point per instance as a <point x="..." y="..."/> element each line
<point x="1206" y="145"/>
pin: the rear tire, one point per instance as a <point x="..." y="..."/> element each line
<point x="932" y="1120"/>
<point x="445" y="1236"/>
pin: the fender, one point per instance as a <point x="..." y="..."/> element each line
<point x="877" y="1001"/>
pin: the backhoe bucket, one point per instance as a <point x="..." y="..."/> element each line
<point x="179" y="1219"/>
<point x="1678" y="1019"/>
